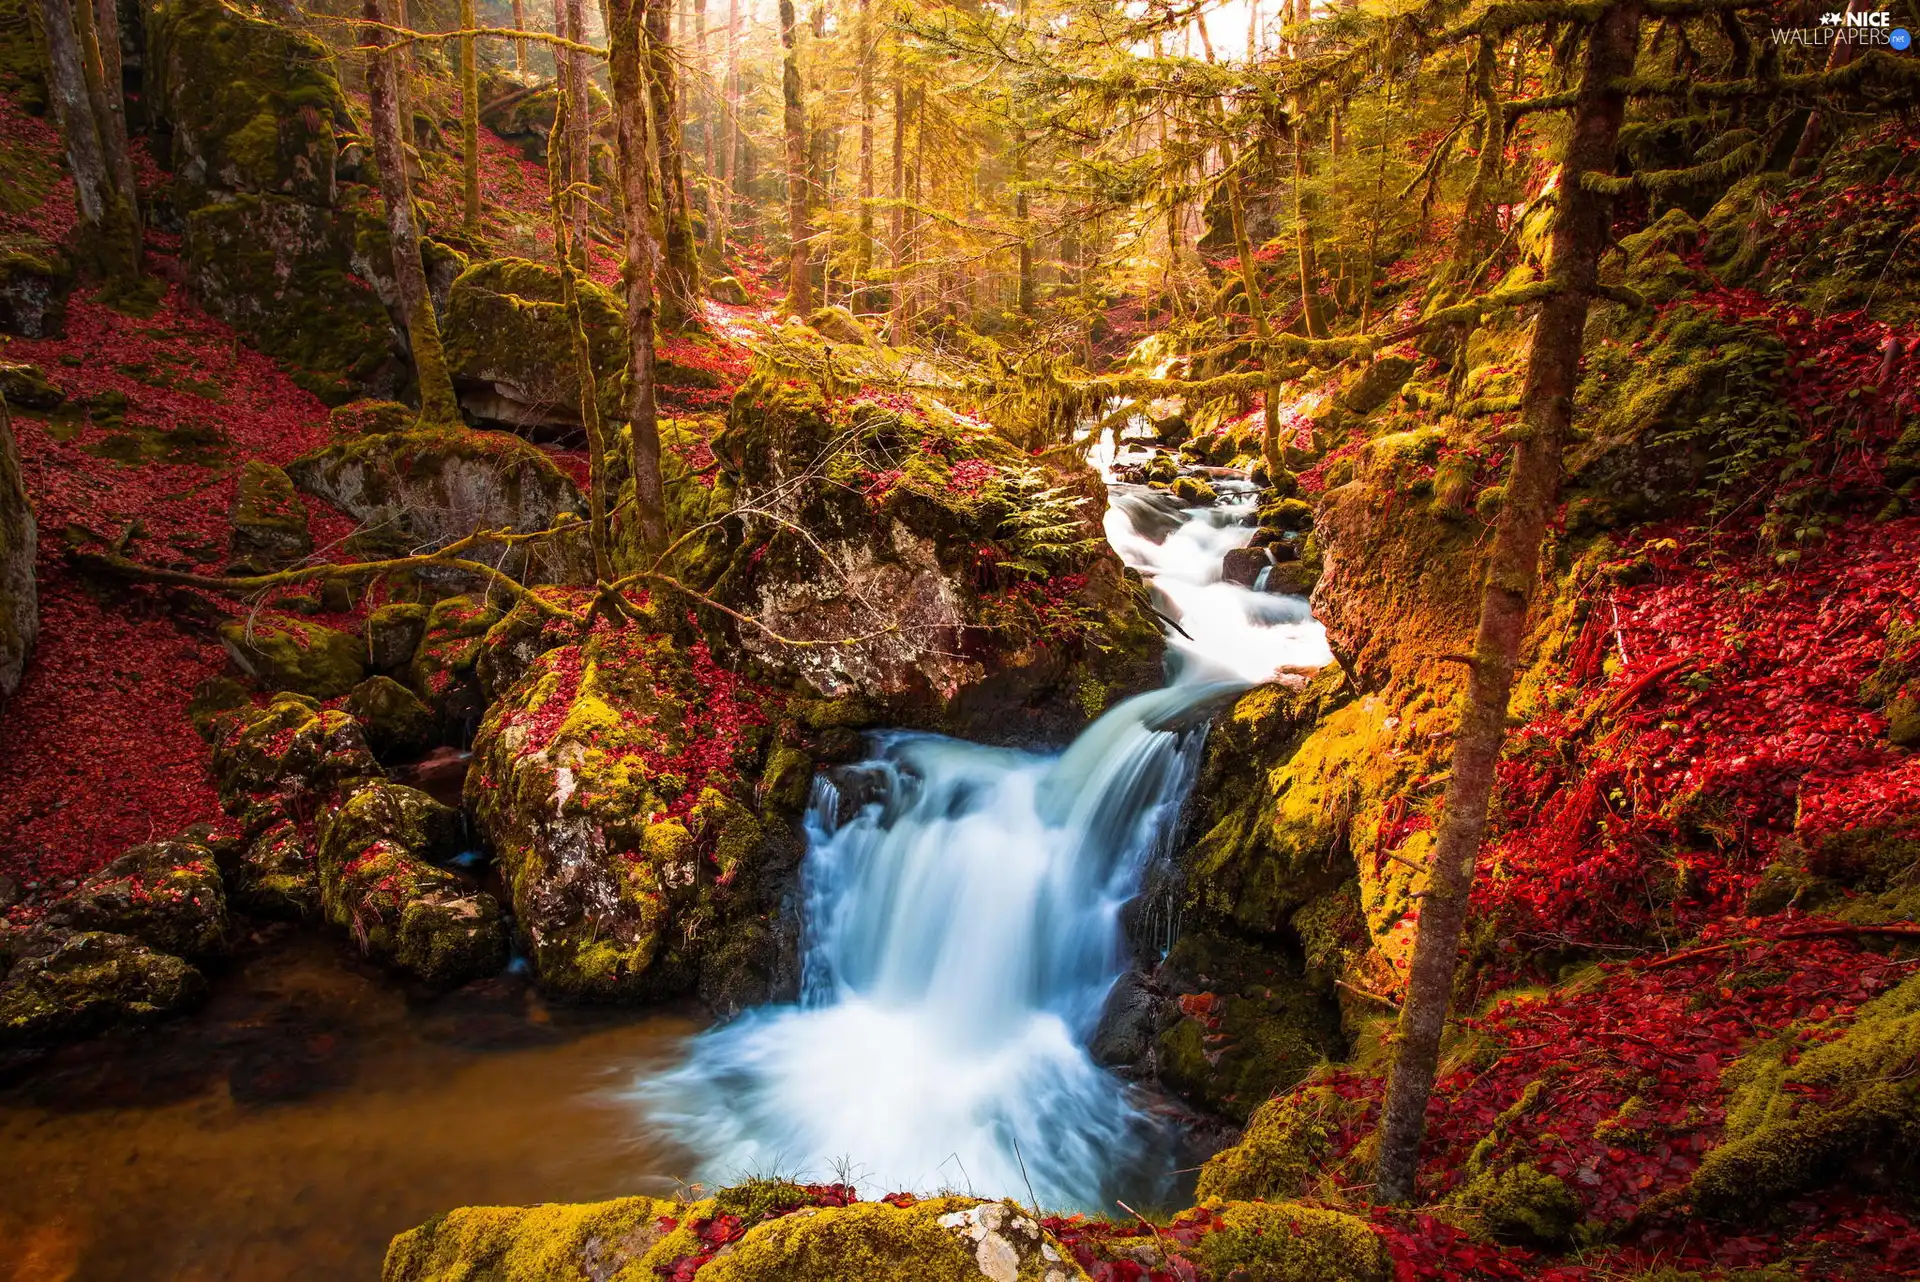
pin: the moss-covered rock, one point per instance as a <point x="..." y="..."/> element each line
<point x="298" y="280"/>
<point x="1521" y="1203"/>
<point x="510" y="344"/>
<point x="62" y="984"/>
<point x="33" y="293"/>
<point x="1283" y="1147"/>
<point x="19" y="537"/>
<point x="275" y="874"/>
<point x="838" y="325"/>
<point x="442" y="669"/>
<point x="252" y="105"/>
<point x="1287" y="1242"/>
<point x="552" y="1243"/>
<point x="168" y="895"/>
<point x="397" y="724"/>
<point x="26" y="387"/>
<point x="393" y="635"/>
<point x="269" y="520"/>
<point x="286" y="761"/>
<point x="377" y="882"/>
<point x="1814" y="1100"/>
<point x="728" y="290"/>
<point x="613" y="782"/>
<point x="1194" y="492"/>
<point x="282" y="653"/>
<point x="370" y="418"/>
<point x="943" y="1240"/>
<point x="435" y="485"/>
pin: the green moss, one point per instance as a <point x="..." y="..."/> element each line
<point x="1523" y="1204"/>
<point x="277" y="875"/>
<point x="290" y="654"/>
<point x="269" y="520"/>
<point x="397" y="723"/>
<point x="787" y="780"/>
<point x="507" y="331"/>
<point x="553" y="1243"/>
<point x="442" y="667"/>
<point x="942" y="1240"/>
<point x="1286" y="1141"/>
<point x="1286" y="1242"/>
<point x="1194" y="492"/>
<point x="1806" y="1104"/>
<point x="393" y="635"/>
<point x="76" y="983"/>
<point x="166" y="894"/>
<point x="370" y="418"/>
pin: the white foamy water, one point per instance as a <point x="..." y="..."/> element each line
<point x="962" y="928"/>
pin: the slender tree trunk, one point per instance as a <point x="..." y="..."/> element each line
<point x="519" y="43"/>
<point x="799" y="280"/>
<point x="470" y="120"/>
<point x="1512" y="574"/>
<point x="579" y="123"/>
<point x="701" y="95"/>
<point x="112" y="108"/>
<point x="1309" y="267"/>
<point x="1476" y="215"/>
<point x="863" y="252"/>
<point x="1270" y="446"/>
<point x="680" y="262"/>
<point x="582" y="354"/>
<point x="734" y="136"/>
<point x="626" y="65"/>
<point x="110" y="229"/>
<point x="897" y="237"/>
<point x="437" y="403"/>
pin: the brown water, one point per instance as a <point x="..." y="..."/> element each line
<point x="306" y="1115"/>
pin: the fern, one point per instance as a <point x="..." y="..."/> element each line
<point x="1041" y="523"/>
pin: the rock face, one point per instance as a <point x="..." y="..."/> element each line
<point x="973" y="583"/>
<point x="254" y="116"/>
<point x="613" y="784"/>
<point x="269" y="520"/>
<point x="378" y="883"/>
<point x="510" y="345"/>
<point x="19" y="600"/>
<point x="949" y="1239"/>
<point x="33" y="294"/>
<point x="435" y="485"/>
<point x="167" y="895"/>
<point x="60" y="984"/>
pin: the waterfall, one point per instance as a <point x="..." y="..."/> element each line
<point x="962" y="926"/>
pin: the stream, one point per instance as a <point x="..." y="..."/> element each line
<point x="963" y="927"/>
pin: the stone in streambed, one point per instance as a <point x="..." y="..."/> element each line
<point x="286" y="761"/>
<point x="168" y="895"/>
<point x="62" y="984"/>
<point x="1243" y="565"/>
<point x="276" y="876"/>
<point x="442" y="669"/>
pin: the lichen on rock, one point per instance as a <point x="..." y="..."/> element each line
<point x="168" y="895"/>
<point x="283" y="653"/>
<point x="62" y="984"/>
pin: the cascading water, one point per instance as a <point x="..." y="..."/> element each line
<point x="962" y="926"/>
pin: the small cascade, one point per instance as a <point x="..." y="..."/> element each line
<point x="963" y="925"/>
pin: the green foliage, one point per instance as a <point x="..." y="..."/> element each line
<point x="1043" y="524"/>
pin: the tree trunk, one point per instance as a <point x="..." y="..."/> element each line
<point x="112" y="109"/>
<point x="1270" y="446"/>
<point x="1310" y="304"/>
<point x="799" y="282"/>
<point x="1804" y="152"/>
<point x="519" y="43"/>
<point x="589" y="405"/>
<point x="863" y="252"/>
<point x="109" y="229"/>
<point x="1475" y="217"/>
<point x="628" y="76"/>
<point x="897" y="237"/>
<point x="469" y="120"/>
<point x="680" y="262"/>
<point x="437" y="403"/>
<point x="579" y="157"/>
<point x="1513" y="569"/>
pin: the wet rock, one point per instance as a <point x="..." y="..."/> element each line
<point x="377" y="883"/>
<point x="1129" y="1023"/>
<point x="269" y="520"/>
<point x="1194" y="492"/>
<point x="63" y="984"/>
<point x="168" y="895"/>
<point x="611" y="782"/>
<point x="1293" y="578"/>
<point x="435" y="485"/>
<point x="397" y="723"/>
<point x="290" y="654"/>
<point x="1243" y="565"/>
<point x="512" y="644"/>
<point x="276" y="875"/>
<point x="19" y="537"/>
<point x="393" y="634"/>
<point x="285" y="762"/>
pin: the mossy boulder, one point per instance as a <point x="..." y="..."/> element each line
<point x="728" y="290"/>
<point x="283" y="653"/>
<point x="838" y="325"/>
<point x="301" y="282"/>
<point x="1523" y="1204"/>
<point x="614" y="783"/>
<point x="1283" y="1148"/>
<point x="168" y="895"/>
<point x="786" y="1239"/>
<point x="1288" y="1242"/>
<point x="1194" y="492"/>
<point x="1375" y="385"/>
<point x="19" y="538"/>
<point x="33" y="293"/>
<point x="510" y="344"/>
<point x="393" y="635"/>
<point x="963" y="585"/>
<point x="397" y="724"/>
<point x="434" y="485"/>
<point x="442" y="668"/>
<point x="286" y="761"/>
<point x="1815" y="1100"/>
<point x="251" y="104"/>
<point x="368" y="417"/>
<point x="63" y="984"/>
<point x="378" y="883"/>
<point x="26" y="387"/>
<point x="275" y="874"/>
<point x="269" y="520"/>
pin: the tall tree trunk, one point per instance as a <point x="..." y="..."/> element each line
<point x="579" y="123"/>
<point x="627" y="70"/>
<point x="680" y="262"/>
<point x="1476" y="215"/>
<point x="437" y="403"/>
<point x="701" y="96"/>
<point x="469" y="120"/>
<point x="863" y="252"/>
<point x="897" y="237"/>
<point x="111" y="108"/>
<point x="735" y="138"/>
<point x="1270" y="446"/>
<point x="109" y="224"/>
<point x="1512" y="574"/>
<point x="799" y="280"/>
<point x="589" y="405"/>
<point x="1311" y="308"/>
<point x="519" y="42"/>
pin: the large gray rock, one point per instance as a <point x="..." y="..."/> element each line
<point x="19" y="601"/>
